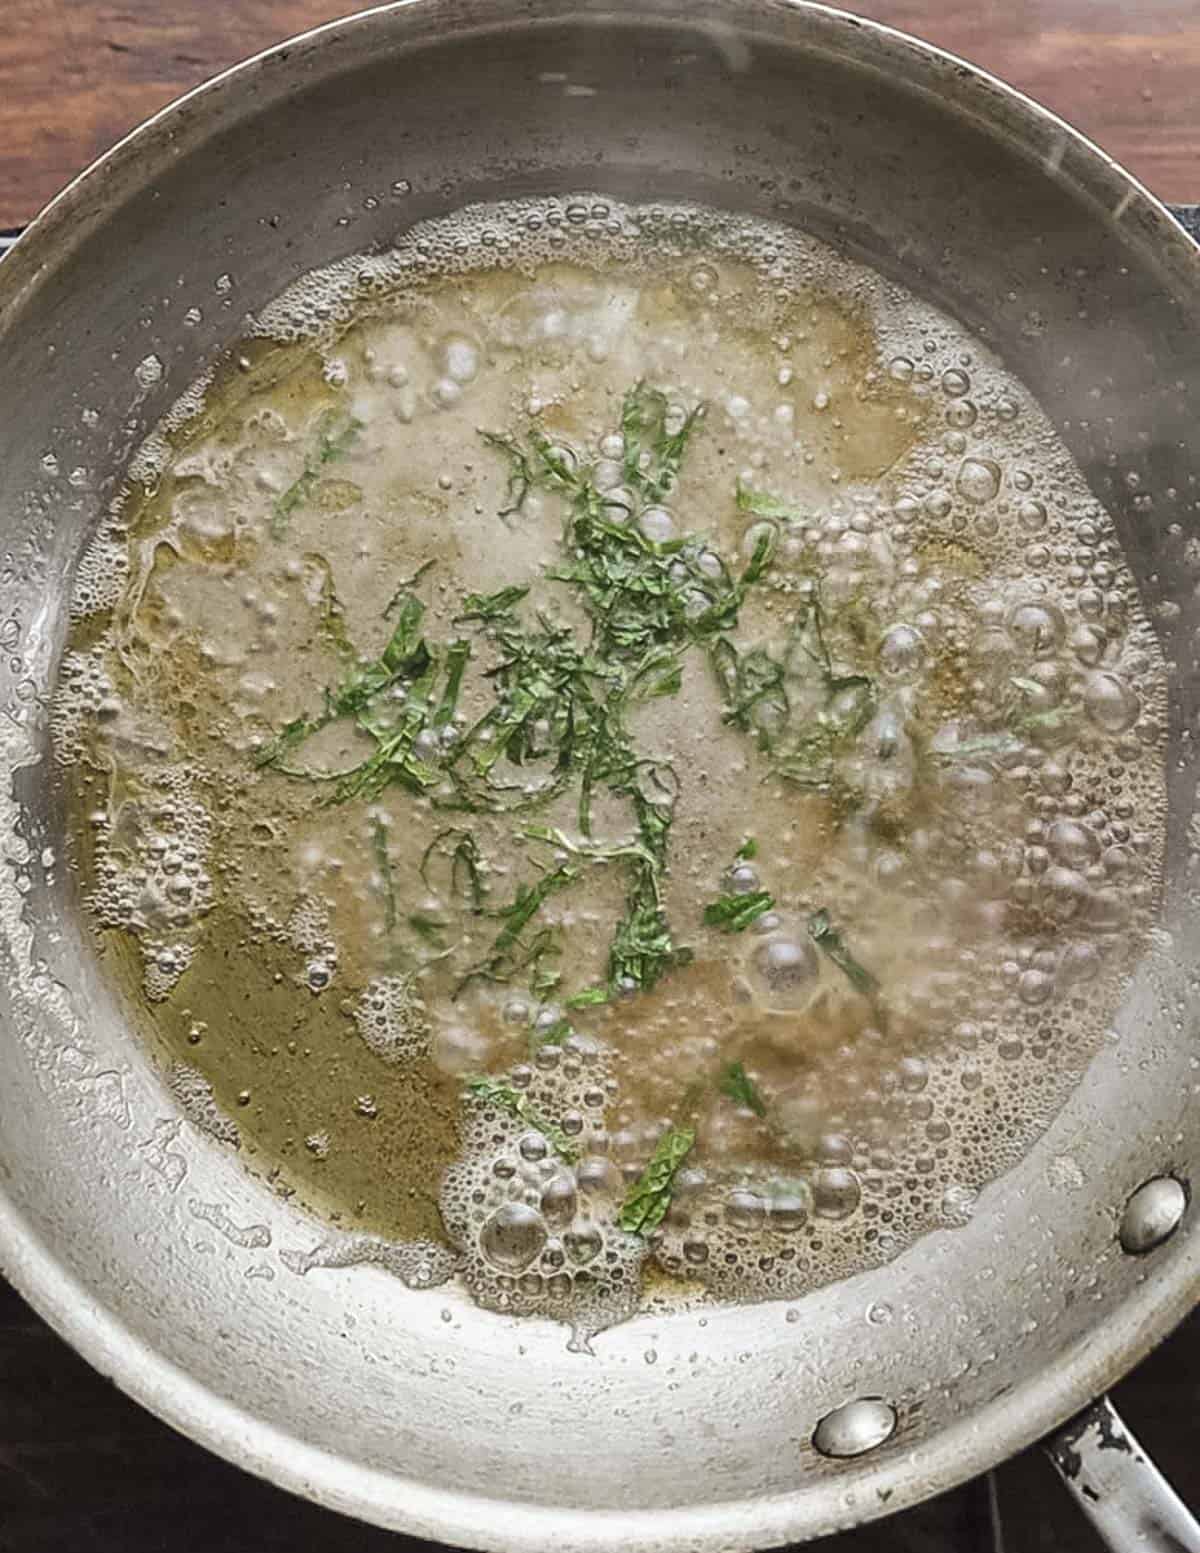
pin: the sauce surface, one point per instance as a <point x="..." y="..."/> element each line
<point x="614" y="740"/>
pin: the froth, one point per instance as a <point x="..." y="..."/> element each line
<point x="985" y="581"/>
<point x="393" y="1020"/>
<point x="532" y="1203"/>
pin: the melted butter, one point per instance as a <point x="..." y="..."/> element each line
<point x="998" y="899"/>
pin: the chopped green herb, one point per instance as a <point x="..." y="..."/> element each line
<point x="384" y="863"/>
<point x="763" y="694"/>
<point x="519" y="475"/>
<point x="491" y="606"/>
<point x="739" y="1087"/>
<point x="1053" y="717"/>
<point x="498" y="1093"/>
<point x="456" y="661"/>
<point x="552" y="1035"/>
<point x="649" y="1198"/>
<point x="558" y="707"/>
<point x="763" y="505"/>
<point x="983" y="744"/>
<point x="588" y="998"/>
<point x="406" y="585"/>
<point x="290" y="737"/>
<point x="748" y="850"/>
<point x="427" y="927"/>
<point x="544" y="978"/>
<point x="508" y="954"/>
<point x="331" y="628"/>
<point x="735" y="913"/>
<point x="827" y="938"/>
<point x="335" y="435"/>
<point x="466" y="879"/>
<point x="753" y="686"/>
<point x="653" y="453"/>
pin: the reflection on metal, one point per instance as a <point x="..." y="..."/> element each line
<point x="1119" y="1488"/>
<point x="855" y="1428"/>
<point x="1152" y="1214"/>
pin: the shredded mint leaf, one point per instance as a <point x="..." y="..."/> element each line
<point x="520" y="477"/>
<point x="590" y="997"/>
<point x="829" y="940"/>
<point x="652" y="454"/>
<point x="427" y="927"/>
<point x="335" y="436"/>
<point x="748" y="850"/>
<point x="331" y="627"/>
<point x="384" y="863"/>
<point x="456" y="661"/>
<point x="508" y="955"/>
<point x="763" y="505"/>
<point x="1052" y="717"/>
<point x="466" y="876"/>
<point x="739" y="1087"/>
<point x="752" y="683"/>
<point x="649" y="1198"/>
<point x="406" y="585"/>
<point x="491" y="606"/>
<point x="761" y="558"/>
<point x="980" y="745"/>
<point x="735" y="913"/>
<point x="545" y="978"/>
<point x="553" y="1035"/>
<point x="508" y="1098"/>
<point x="557" y="700"/>
<point x="290" y="737"/>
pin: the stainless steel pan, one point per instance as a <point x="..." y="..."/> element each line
<point x="146" y="1244"/>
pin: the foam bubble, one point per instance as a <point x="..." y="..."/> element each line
<point x="392" y="1019"/>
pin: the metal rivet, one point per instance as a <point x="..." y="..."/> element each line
<point x="855" y="1428"/>
<point x="1152" y="1214"/>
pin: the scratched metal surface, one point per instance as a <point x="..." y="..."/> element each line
<point x="83" y="1468"/>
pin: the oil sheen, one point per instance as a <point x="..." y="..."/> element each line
<point x="612" y="748"/>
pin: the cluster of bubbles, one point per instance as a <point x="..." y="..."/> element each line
<point x="308" y="931"/>
<point x="151" y="873"/>
<point x="84" y="687"/>
<point x="392" y="1019"/>
<point x="162" y="966"/>
<point x="102" y="571"/>
<point x="998" y="594"/>
<point x="533" y="1208"/>
<point x="198" y="1103"/>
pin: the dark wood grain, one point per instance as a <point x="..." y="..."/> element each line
<point x="75" y="75"/>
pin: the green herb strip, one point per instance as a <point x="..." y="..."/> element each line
<point x="735" y="913"/>
<point x="829" y="941"/>
<point x="383" y="862"/>
<point x="737" y="1085"/>
<point x="649" y="1198"/>
<point x="335" y="437"/>
<point x="499" y="1093"/>
<point x="558" y="708"/>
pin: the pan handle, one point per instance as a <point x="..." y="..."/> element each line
<point x="1118" y="1487"/>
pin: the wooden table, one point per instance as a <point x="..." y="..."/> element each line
<point x="76" y="74"/>
<point x="82" y="1470"/>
